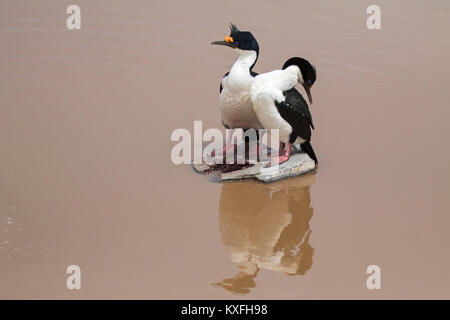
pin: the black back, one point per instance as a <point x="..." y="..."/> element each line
<point x="295" y="111"/>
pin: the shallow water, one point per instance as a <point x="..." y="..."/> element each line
<point x="86" y="177"/>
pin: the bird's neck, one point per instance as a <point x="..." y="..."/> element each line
<point x="244" y="62"/>
<point x="294" y="71"/>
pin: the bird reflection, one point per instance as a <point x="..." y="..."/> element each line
<point x="266" y="226"/>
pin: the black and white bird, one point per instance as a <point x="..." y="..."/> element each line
<point x="278" y="105"/>
<point x="234" y="101"/>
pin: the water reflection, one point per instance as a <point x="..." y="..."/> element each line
<point x="266" y="226"/>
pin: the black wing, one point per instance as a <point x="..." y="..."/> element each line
<point x="221" y="88"/>
<point x="295" y="111"/>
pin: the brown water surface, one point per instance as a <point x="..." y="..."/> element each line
<point x="86" y="177"/>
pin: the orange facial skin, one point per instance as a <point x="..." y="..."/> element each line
<point x="228" y="39"/>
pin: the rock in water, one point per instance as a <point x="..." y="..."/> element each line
<point x="298" y="163"/>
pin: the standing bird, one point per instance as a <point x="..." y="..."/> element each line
<point x="234" y="101"/>
<point x="278" y="105"/>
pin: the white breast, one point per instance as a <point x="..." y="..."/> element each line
<point x="234" y="101"/>
<point x="237" y="109"/>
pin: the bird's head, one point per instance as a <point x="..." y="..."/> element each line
<point x="242" y="40"/>
<point x="307" y="73"/>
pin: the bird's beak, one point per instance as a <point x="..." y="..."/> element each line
<point x="308" y="92"/>
<point x="228" y="42"/>
<point x="222" y="43"/>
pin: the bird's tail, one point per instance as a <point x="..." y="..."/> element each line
<point x="307" y="147"/>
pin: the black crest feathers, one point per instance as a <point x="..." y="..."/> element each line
<point x="233" y="29"/>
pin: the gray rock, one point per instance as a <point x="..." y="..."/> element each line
<point x="299" y="163"/>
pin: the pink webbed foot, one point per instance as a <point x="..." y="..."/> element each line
<point x="261" y="151"/>
<point x="282" y="158"/>
<point x="277" y="160"/>
<point x="255" y="151"/>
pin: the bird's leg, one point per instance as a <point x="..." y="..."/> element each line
<point x="256" y="150"/>
<point x="259" y="150"/>
<point x="281" y="149"/>
<point x="282" y="158"/>
<point x="228" y="147"/>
